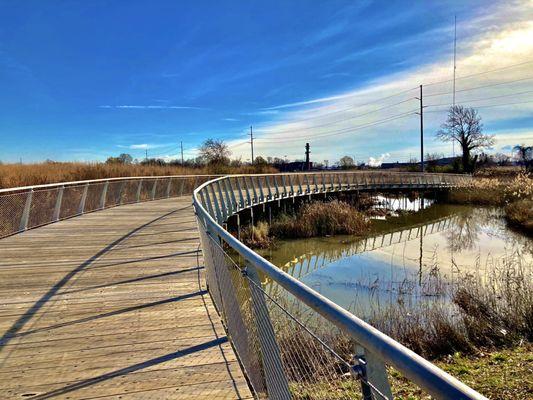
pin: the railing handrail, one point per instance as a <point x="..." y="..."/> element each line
<point x="89" y="181"/>
<point x="425" y="374"/>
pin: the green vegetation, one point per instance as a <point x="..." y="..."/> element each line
<point x="505" y="374"/>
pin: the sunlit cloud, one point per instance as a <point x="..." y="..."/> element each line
<point x="370" y="120"/>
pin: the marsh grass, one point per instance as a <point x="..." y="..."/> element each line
<point x="257" y="236"/>
<point x="519" y="214"/>
<point x="481" y="336"/>
<point x="16" y="175"/>
<point x="321" y="219"/>
<point x="493" y="191"/>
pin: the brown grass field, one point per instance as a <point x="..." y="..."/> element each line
<point x="16" y="175"/>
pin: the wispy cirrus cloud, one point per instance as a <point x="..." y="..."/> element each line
<point x="144" y="146"/>
<point x="152" y="107"/>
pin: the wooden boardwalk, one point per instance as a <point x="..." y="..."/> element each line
<point x="112" y="304"/>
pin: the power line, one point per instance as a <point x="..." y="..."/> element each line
<point x="487" y="106"/>
<point x="340" y="120"/>
<point x="483" y="99"/>
<point x="344" y="130"/>
<point x="483" y="86"/>
<point x="355" y="106"/>
<point x="480" y="73"/>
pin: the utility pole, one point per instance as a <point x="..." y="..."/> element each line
<point x="181" y="145"/>
<point x="307" y="163"/>
<point x="252" y="143"/>
<point x="146" y="152"/>
<point x="421" y="113"/>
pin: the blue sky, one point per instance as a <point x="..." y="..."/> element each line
<point x="85" y="80"/>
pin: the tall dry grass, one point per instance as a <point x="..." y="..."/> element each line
<point x="494" y="191"/>
<point x="16" y="175"/>
<point x="321" y="219"/>
<point x="491" y="311"/>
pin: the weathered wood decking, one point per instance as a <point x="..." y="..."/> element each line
<point x="112" y="304"/>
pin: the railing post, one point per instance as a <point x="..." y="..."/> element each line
<point x="284" y="183"/>
<point x="26" y="212"/>
<point x="103" y="195"/>
<point x="209" y="204"/>
<point x="57" y="208"/>
<point x="138" y="195"/>
<point x="182" y="187"/>
<point x="229" y="199"/>
<point x="169" y="186"/>
<point x="247" y="190"/>
<point x="222" y="202"/>
<point x="276" y="381"/>
<point x="291" y="185"/>
<point x="252" y="183"/>
<point x="269" y="188"/>
<point x="234" y="204"/>
<point x="81" y="208"/>
<point x="217" y="206"/>
<point x="239" y="190"/>
<point x="300" y="190"/>
<point x="261" y="193"/>
<point x="375" y="373"/>
<point x="154" y="188"/>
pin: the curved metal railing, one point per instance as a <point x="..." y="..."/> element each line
<point x="283" y="356"/>
<point x="29" y="207"/>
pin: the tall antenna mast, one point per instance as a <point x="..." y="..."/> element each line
<point x="454" y="68"/>
<point x="454" y="54"/>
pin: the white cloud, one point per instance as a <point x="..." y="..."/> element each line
<point x="342" y="123"/>
<point x="376" y="162"/>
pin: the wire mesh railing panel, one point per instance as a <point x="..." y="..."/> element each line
<point x="43" y="206"/>
<point x="113" y="193"/>
<point x="70" y="202"/>
<point x="129" y="192"/>
<point x="11" y="210"/>
<point x="287" y="350"/>
<point x="94" y="197"/>
<point x="231" y="294"/>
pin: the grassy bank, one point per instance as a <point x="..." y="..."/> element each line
<point x="515" y="194"/>
<point x="519" y="214"/>
<point x="14" y="175"/>
<point x="311" y="220"/>
<point x="484" y="338"/>
<point x="505" y="375"/>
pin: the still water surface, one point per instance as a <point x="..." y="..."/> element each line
<point x="414" y="256"/>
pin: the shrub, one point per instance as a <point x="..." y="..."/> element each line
<point x="256" y="236"/>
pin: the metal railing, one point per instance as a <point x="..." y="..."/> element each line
<point x="299" y="344"/>
<point x="29" y="207"/>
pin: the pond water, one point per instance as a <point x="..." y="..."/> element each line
<point x="409" y="257"/>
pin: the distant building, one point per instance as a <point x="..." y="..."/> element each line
<point x="439" y="162"/>
<point x="294" y="166"/>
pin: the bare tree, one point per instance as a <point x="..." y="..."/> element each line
<point x="525" y="155"/>
<point x="214" y="151"/>
<point x="463" y="125"/>
<point x="346" y="162"/>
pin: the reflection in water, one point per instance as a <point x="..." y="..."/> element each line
<point x="407" y="258"/>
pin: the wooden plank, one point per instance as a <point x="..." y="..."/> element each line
<point x="113" y="304"/>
